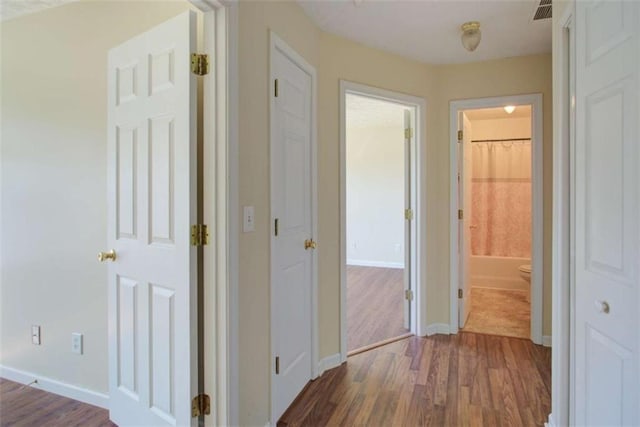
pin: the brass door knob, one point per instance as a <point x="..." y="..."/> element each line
<point x="602" y="307"/>
<point x="104" y="256"/>
<point x="309" y="244"/>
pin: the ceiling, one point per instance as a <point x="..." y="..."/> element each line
<point x="367" y="112"/>
<point x="424" y="30"/>
<point x="429" y="30"/>
<point x="10" y="9"/>
<point x="499" y="113"/>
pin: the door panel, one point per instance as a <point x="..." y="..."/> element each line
<point x="464" y="231"/>
<point x="408" y="223"/>
<point x="151" y="205"/>
<point x="607" y="215"/>
<point x="291" y="190"/>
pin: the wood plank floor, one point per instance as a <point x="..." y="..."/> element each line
<point x="375" y="298"/>
<point x="27" y="406"/>
<point x="443" y="380"/>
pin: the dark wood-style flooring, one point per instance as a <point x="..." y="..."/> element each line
<point x="27" y="406"/>
<point x="443" y="380"/>
<point x="375" y="312"/>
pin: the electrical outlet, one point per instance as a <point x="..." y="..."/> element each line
<point x="35" y="334"/>
<point x="76" y="343"/>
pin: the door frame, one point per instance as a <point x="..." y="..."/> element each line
<point x="418" y="242"/>
<point x="278" y="44"/>
<point x="219" y="19"/>
<point x="563" y="320"/>
<point x="535" y="100"/>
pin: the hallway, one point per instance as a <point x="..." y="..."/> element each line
<point x="442" y="380"/>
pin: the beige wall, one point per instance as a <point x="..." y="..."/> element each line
<point x="290" y="23"/>
<point x="53" y="158"/>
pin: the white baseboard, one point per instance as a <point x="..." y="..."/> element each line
<point x="551" y="422"/>
<point x="438" y="328"/>
<point x="367" y="263"/>
<point x="329" y="362"/>
<point x="546" y="340"/>
<point x="57" y="387"/>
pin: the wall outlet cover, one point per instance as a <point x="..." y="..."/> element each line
<point x="76" y="343"/>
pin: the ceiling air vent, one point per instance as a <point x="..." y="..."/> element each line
<point x="542" y="10"/>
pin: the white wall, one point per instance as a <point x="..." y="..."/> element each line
<point x="54" y="187"/>
<point x="375" y="194"/>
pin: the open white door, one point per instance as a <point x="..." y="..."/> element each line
<point x="292" y="240"/>
<point x="464" y="230"/>
<point x="151" y="206"/>
<point x="606" y="217"/>
<point x="408" y="137"/>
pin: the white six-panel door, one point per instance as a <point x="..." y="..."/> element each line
<point x="607" y="214"/>
<point x="151" y="205"/>
<point x="291" y="192"/>
<point x="464" y="231"/>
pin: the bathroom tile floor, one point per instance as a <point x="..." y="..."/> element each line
<point x="502" y="312"/>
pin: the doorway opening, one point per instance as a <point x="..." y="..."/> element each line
<point x="497" y="227"/>
<point x="379" y="218"/>
<point x="494" y="191"/>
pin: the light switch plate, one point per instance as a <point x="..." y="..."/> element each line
<point x="35" y="334"/>
<point x="248" y="223"/>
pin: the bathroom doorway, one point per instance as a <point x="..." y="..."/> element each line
<point x="497" y="208"/>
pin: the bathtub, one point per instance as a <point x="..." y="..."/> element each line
<point x="497" y="272"/>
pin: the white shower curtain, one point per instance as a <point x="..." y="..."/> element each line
<point x="501" y="199"/>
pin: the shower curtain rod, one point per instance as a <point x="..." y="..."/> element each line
<point x="501" y="140"/>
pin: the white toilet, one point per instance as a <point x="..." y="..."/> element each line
<point x="525" y="273"/>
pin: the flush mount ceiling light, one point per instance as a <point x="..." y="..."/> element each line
<point x="471" y="35"/>
<point x="510" y="109"/>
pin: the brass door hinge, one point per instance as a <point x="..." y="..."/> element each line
<point x="460" y="294"/>
<point x="200" y="64"/>
<point x="200" y="405"/>
<point x="408" y="214"/>
<point x="277" y="365"/>
<point x="275" y="88"/>
<point x="460" y="135"/>
<point x="199" y="235"/>
<point x="408" y="133"/>
<point x="460" y="214"/>
<point x="408" y="295"/>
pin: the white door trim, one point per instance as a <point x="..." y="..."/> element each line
<point x="277" y="44"/>
<point x="562" y="337"/>
<point x="220" y="163"/>
<point x="419" y="303"/>
<point x="535" y="100"/>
